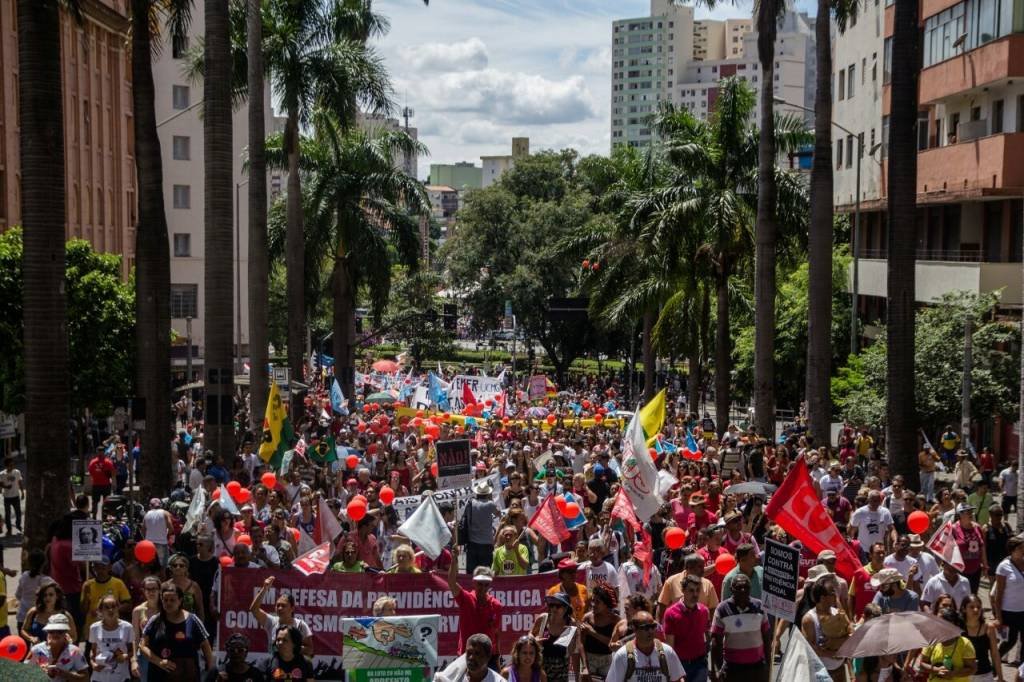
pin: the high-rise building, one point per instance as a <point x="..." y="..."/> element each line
<point x="646" y="55"/>
<point x="178" y="104"/>
<point x="99" y="152"/>
<point x="409" y="163"/>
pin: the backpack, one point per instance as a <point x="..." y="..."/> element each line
<point x="631" y="660"/>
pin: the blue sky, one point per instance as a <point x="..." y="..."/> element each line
<point x="478" y="72"/>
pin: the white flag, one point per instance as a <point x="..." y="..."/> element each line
<point x="426" y="527"/>
<point x="329" y="526"/>
<point x="226" y="503"/>
<point x="639" y="475"/>
<point x="195" y="510"/>
<point x="306" y="543"/>
<point x="665" y="482"/>
<point x="799" y="662"/>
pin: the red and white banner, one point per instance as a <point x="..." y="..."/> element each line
<point x="944" y="546"/>
<point x="323" y="600"/>
<point x="797" y="508"/>
<point x="314" y="561"/>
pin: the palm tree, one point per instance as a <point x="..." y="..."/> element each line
<point x="217" y="215"/>
<point x="901" y="437"/>
<point x="819" y="238"/>
<point x="153" y="267"/>
<point x="359" y="211"/>
<point x="259" y="259"/>
<point x="45" y="308"/>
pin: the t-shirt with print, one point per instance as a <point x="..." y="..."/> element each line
<point x="647" y="667"/>
<point x="603" y="571"/>
<point x="273" y="622"/>
<point x="70" y="659"/>
<point x="871" y="525"/>
<point x="743" y="631"/>
<point x="106" y="642"/>
<point x="505" y="563"/>
<point x="10" y="481"/>
<point x="296" y="669"/>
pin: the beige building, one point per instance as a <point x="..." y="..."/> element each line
<point x="372" y="122"/>
<point x="708" y="39"/>
<point x="495" y="166"/>
<point x="98" y="134"/>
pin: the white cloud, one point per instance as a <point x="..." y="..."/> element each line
<point x="468" y="55"/>
<point x="481" y="132"/>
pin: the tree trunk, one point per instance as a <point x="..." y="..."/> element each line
<point x="723" y="358"/>
<point x="901" y="436"/>
<point x="344" y="326"/>
<point x="259" y="260"/>
<point x="153" y="271"/>
<point x="764" y="233"/>
<point x="295" y="254"/>
<point x="45" y="307"/>
<point x="819" y="243"/>
<point x="649" y="355"/>
<point x="698" y="354"/>
<point x="218" y="216"/>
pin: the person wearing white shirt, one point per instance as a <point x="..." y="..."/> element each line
<point x="950" y="582"/>
<point x="1008" y="485"/>
<point x="472" y="665"/>
<point x="597" y="569"/>
<point x="927" y="566"/>
<point x="1008" y="593"/>
<point x="631" y="581"/>
<point x="901" y="560"/>
<point x="646" y="652"/>
<point x="872" y="521"/>
<point x="831" y="481"/>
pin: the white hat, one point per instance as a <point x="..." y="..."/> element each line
<point x="482" y="487"/>
<point x="56" y="623"/>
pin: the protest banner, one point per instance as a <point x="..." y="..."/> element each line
<point x="390" y="643"/>
<point x="458" y="497"/>
<point x="86" y="540"/>
<point x="454" y="464"/>
<point x="326" y="601"/>
<point x="538" y="387"/>
<point x="781" y="571"/>
<point x="482" y="388"/>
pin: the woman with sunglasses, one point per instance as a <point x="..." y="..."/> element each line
<point x="173" y="640"/>
<point x="141" y="615"/>
<point x="527" y="662"/>
<point x="49" y="601"/>
<point x="112" y="645"/>
<point x="558" y="639"/>
<point x="178" y="567"/>
<point x="236" y="668"/>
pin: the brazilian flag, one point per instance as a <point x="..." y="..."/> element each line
<point x="325" y="451"/>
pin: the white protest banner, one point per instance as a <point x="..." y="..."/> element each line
<point x="390" y="642"/>
<point x="454" y="464"/>
<point x="86" y="540"/>
<point x="483" y="389"/>
<point x="459" y="498"/>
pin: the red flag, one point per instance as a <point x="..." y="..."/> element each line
<point x="548" y="521"/>
<point x="644" y="553"/>
<point x="467" y="395"/>
<point x="314" y="561"/>
<point x="327" y="527"/>
<point x="799" y="511"/>
<point x="623" y="509"/>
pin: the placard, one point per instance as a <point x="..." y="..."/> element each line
<point x="390" y="642"/>
<point x="482" y="388"/>
<point x="778" y="587"/>
<point x="538" y="387"/>
<point x="86" y="540"/>
<point x="454" y="464"/>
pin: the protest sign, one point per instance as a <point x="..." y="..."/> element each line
<point x="482" y="388"/>
<point x="314" y="561"/>
<point x="538" y="387"/>
<point x="86" y="540"/>
<point x="781" y="570"/>
<point x="458" y="497"/>
<point x="454" y="464"/>
<point x="326" y="601"/>
<point x="390" y="642"/>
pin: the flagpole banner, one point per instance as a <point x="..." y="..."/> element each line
<point x="482" y="388"/>
<point x="326" y="601"/>
<point x="781" y="571"/>
<point x="639" y="475"/>
<point x="538" y="387"/>
<point x="390" y="642"/>
<point x="454" y="464"/>
<point x="798" y="510"/>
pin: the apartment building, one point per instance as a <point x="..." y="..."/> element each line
<point x="495" y="166"/>
<point x="98" y="130"/>
<point x="461" y="175"/>
<point x="178" y="104"/>
<point x="718" y="39"/>
<point x="409" y="163"/>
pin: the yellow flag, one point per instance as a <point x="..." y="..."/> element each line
<point x="273" y="423"/>
<point x="652" y="416"/>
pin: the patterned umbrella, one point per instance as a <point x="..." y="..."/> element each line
<point x="894" y="633"/>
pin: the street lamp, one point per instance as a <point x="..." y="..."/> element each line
<point x="238" y="277"/>
<point x="856" y="217"/>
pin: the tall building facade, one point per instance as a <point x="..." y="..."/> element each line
<point x="178" y="104"/>
<point x="409" y="163"/>
<point x="493" y="167"/>
<point x="99" y="149"/>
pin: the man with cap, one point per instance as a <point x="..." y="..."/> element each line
<point x="971" y="541"/>
<point x="734" y="535"/>
<point x="892" y="595"/>
<point x="480" y="514"/>
<point x="927" y="566"/>
<point x="58" y="656"/>
<point x="948" y="581"/>
<point x="827" y="560"/>
<point x="699" y="516"/>
<point x="479" y="610"/>
<point x="838" y="507"/>
<point x="577" y="592"/>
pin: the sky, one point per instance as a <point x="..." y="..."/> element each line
<point x="479" y="72"/>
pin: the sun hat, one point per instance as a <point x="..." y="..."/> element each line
<point x="483" y="574"/>
<point x="885" y="577"/>
<point x="56" y="623"/>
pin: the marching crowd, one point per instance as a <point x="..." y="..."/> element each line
<point x="680" y="598"/>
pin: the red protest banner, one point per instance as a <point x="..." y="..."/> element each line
<point x="315" y="560"/>
<point x="796" y="507"/>
<point x="323" y="600"/>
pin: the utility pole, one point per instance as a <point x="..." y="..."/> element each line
<point x="188" y="365"/>
<point x="965" y="404"/>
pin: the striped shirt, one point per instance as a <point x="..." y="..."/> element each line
<point x="743" y="631"/>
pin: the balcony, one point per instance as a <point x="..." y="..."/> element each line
<point x="991" y="165"/>
<point x="935" y="278"/>
<point x="992" y="62"/>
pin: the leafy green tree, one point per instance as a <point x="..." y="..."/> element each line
<point x="101" y="323"/>
<point x="414" y="315"/>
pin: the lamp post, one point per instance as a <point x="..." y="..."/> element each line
<point x="856" y="218"/>
<point x="238" y="278"/>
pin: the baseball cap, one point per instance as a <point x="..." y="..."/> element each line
<point x="826" y="555"/>
<point x="483" y="574"/>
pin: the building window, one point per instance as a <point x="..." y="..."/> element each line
<point x="997" y="116"/>
<point x="887" y="61"/>
<point x="922" y="130"/>
<point x="180" y="96"/>
<point x="180" y="48"/>
<point x="839" y="154"/>
<point x="184" y="300"/>
<point x="182" y="196"/>
<point x="182" y="245"/>
<point x="842" y="85"/>
<point x="851" y="78"/>
<point x="849" y="151"/>
<point x="181" y="148"/>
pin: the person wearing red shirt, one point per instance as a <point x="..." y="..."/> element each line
<point x="101" y="471"/>
<point x="366" y="542"/>
<point x="699" y="517"/>
<point x="710" y="550"/>
<point x="862" y="591"/>
<point x="986" y="464"/>
<point x="686" y="624"/>
<point x="479" y="611"/>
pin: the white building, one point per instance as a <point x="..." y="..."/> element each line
<point x="495" y="166"/>
<point x="178" y="105"/>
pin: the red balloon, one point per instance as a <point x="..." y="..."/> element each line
<point x="586" y="404"/>
<point x="233" y="488"/>
<point x="551" y="419"/>
<point x="560" y="503"/>
<point x="489" y="403"/>
<point x="367" y="409"/>
<point x="599" y="417"/>
<point x="226" y="561"/>
<point x="13" y="648"/>
<point x="675" y="537"/>
<point x="387" y="495"/>
<point x="419" y="414"/>
<point x="360" y="498"/>
<point x="446" y="416"/>
<point x="351" y="462"/>
<point x="361" y="427"/>
<point x="586" y="263"/>
<point x="244" y="495"/>
<point x="505" y="421"/>
<point x="269" y="480"/>
<point x="725" y="563"/>
<point x="595" y="266"/>
<point x="417" y="422"/>
<point x="571" y="511"/>
<point x="918" y="522"/>
<point x="145" y="551"/>
<point x="244" y="539"/>
<point x="433" y="469"/>
<point x="356" y="510"/>
<point x="216" y="493"/>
